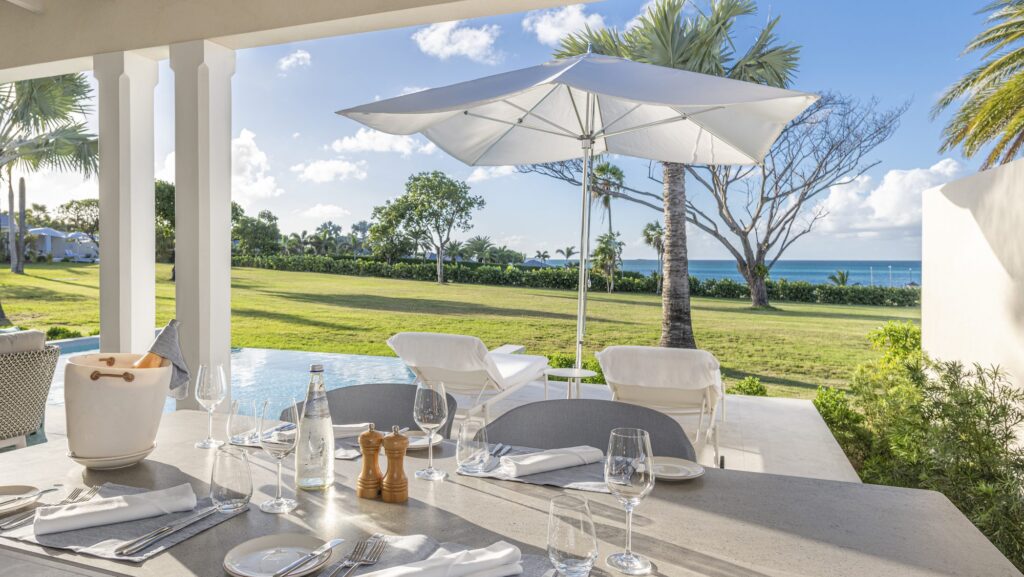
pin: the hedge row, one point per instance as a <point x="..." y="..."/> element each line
<point x="566" y="278"/>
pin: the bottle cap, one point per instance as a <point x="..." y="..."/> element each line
<point x="316" y="368"/>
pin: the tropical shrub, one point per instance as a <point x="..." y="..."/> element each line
<point x="910" y="421"/>
<point x="750" y="386"/>
<point x="57" y="333"/>
<point x="564" y="361"/>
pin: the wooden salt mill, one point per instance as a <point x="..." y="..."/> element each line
<point x="369" y="482"/>
<point x="395" y="488"/>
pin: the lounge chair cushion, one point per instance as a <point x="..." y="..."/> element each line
<point x="516" y="370"/>
<point x="658" y="367"/>
<point x="22" y="341"/>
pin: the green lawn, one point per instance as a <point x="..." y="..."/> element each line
<point x="792" y="349"/>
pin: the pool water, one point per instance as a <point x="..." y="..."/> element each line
<point x="262" y="374"/>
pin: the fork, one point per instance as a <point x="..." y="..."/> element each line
<point x="371" y="557"/>
<point x="357" y="553"/>
<point x="10" y="521"/>
<point x="78" y="495"/>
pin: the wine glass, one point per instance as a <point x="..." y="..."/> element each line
<point x="278" y="439"/>
<point x="241" y="428"/>
<point x="430" y="411"/>
<point x="629" y="474"/>
<point x="231" y="481"/>
<point x="471" y="451"/>
<point x="572" y="542"/>
<point x="211" y="388"/>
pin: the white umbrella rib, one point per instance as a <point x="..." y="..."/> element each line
<point x="520" y="124"/>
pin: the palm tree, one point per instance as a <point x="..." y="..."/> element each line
<point x="654" y="237"/>
<point x="607" y="256"/>
<point x="607" y="182"/>
<point x="840" y="277"/>
<point x="478" y="247"/>
<point x="542" y="256"/>
<point x="567" y="253"/>
<point x="991" y="97"/>
<point x="455" y="250"/>
<point x="703" y="43"/>
<point x="42" y="125"/>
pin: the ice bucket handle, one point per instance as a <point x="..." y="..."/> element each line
<point x="128" y="377"/>
<point x="109" y="360"/>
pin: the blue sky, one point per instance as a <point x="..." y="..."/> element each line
<point x="294" y="156"/>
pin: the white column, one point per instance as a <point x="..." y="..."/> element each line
<point x="202" y="202"/>
<point x="127" y="238"/>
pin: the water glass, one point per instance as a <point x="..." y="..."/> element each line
<point x="629" y="474"/>
<point x="211" y="388"/>
<point x="241" y="428"/>
<point x="472" y="453"/>
<point x="430" y="411"/>
<point x="231" y="483"/>
<point x="572" y="542"/>
<point x="278" y="438"/>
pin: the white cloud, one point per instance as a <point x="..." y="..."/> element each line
<point x="51" y="188"/>
<point x="550" y="26"/>
<point x="412" y="89"/>
<point x="368" y="140"/>
<point x="320" y="171"/>
<point x="482" y="173"/>
<point x="296" y="135"/>
<point x="250" y="170"/>
<point x="689" y="9"/>
<point x="866" y="209"/>
<point x="297" y="59"/>
<point x="166" y="172"/>
<point x="325" y="211"/>
<point x="447" y="39"/>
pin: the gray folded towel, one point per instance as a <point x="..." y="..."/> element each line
<point x="167" y="346"/>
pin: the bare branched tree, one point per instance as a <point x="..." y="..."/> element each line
<point x="760" y="211"/>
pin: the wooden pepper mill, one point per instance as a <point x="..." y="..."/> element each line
<point x="395" y="488"/>
<point x="368" y="484"/>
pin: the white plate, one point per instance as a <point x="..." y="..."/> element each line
<point x="672" y="469"/>
<point x="264" y="556"/>
<point x="418" y="440"/>
<point x="106" y="463"/>
<point x="12" y="491"/>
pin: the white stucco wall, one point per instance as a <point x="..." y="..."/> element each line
<point x="973" y="269"/>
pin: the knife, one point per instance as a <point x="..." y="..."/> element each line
<point x="29" y="496"/>
<point x="308" y="556"/>
<point x="140" y="543"/>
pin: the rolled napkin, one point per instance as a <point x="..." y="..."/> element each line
<point x="499" y="560"/>
<point x="350" y="430"/>
<point x="60" y="518"/>
<point x="550" y="460"/>
<point x="168" y="346"/>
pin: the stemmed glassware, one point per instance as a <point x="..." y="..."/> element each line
<point x="629" y="474"/>
<point x="430" y="411"/>
<point x="572" y="542"/>
<point x="471" y="452"/>
<point x="211" y="388"/>
<point x="241" y="428"/>
<point x="231" y="482"/>
<point x="278" y="439"/>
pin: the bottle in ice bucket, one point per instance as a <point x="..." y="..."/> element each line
<point x="314" y="456"/>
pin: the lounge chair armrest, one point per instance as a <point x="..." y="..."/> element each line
<point x="510" y="349"/>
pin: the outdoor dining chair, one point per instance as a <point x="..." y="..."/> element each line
<point x="26" y="371"/>
<point x="575" y="422"/>
<point x="383" y="404"/>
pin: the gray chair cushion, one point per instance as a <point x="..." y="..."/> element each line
<point x="383" y="404"/>
<point x="570" y="423"/>
<point x="22" y="341"/>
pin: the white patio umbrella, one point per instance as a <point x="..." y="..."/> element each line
<point x="592" y="104"/>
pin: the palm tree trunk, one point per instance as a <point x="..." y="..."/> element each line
<point x="12" y="242"/>
<point x="661" y="271"/>
<point x="21" y="226"/>
<point x="676" y="324"/>
<point x="4" y="321"/>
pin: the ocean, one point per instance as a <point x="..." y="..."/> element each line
<point x="863" y="272"/>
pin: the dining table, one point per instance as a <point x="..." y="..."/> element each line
<point x="725" y="523"/>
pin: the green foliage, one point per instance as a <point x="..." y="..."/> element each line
<point x="256" y="235"/>
<point x="81" y="215"/>
<point x="565" y="360"/>
<point x="913" y="422"/>
<point x="57" y="333"/>
<point x="748" y="386"/>
<point x="840" y="277"/>
<point x="388" y="238"/>
<point x="608" y="256"/>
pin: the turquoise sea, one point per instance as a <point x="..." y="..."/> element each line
<point x="863" y="272"/>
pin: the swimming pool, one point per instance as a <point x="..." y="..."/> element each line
<point x="258" y="374"/>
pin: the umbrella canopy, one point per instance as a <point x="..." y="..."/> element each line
<point x="592" y="104"/>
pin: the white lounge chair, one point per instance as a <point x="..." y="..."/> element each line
<point x="676" y="382"/>
<point x="466" y="367"/>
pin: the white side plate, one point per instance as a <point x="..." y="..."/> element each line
<point x="12" y="491"/>
<point x="672" y="469"/>
<point x="418" y="440"/>
<point x="264" y="556"/>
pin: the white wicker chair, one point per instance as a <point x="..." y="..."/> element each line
<point x="25" y="379"/>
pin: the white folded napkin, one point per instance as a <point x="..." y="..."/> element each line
<point x="350" y="430"/>
<point x="499" y="560"/>
<point x="59" y="518"/>
<point x="550" y="460"/>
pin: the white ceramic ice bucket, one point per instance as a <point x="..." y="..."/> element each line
<point x="113" y="410"/>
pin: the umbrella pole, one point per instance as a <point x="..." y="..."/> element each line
<point x="584" y="280"/>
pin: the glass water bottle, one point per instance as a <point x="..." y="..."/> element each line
<point x="314" y="456"/>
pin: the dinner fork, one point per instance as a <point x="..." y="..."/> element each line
<point x="78" y="495"/>
<point x="371" y="557"/>
<point x="356" y="554"/>
<point x="9" y="521"/>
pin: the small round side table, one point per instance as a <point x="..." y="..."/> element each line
<point x="575" y="377"/>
